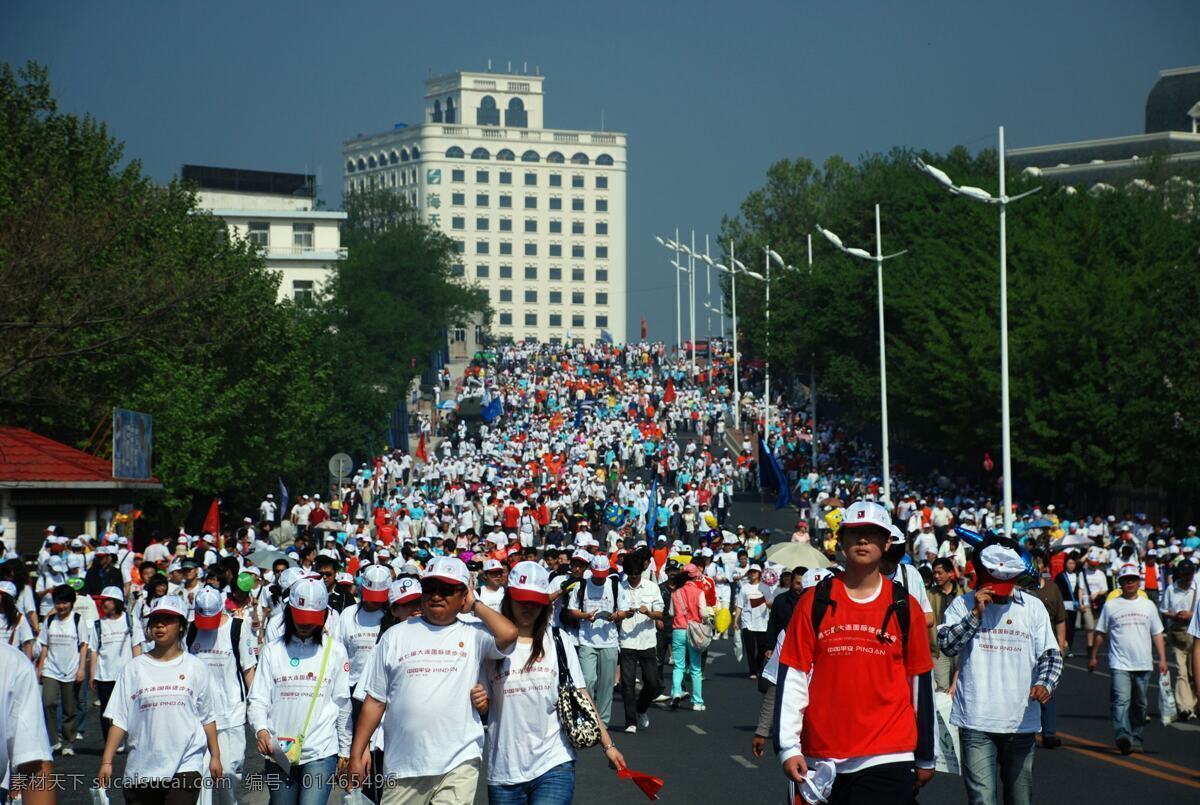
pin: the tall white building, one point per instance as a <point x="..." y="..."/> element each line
<point x="537" y="215"/>
<point x="276" y="212"/>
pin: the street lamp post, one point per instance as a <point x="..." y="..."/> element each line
<point x="1002" y="199"/>
<point x="732" y="270"/>
<point x="812" y="383"/>
<point x="673" y="245"/>
<point x="878" y="257"/>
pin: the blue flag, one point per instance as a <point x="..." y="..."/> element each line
<point x="605" y="336"/>
<point x="770" y="475"/>
<point x="579" y="415"/>
<point x="652" y="511"/>
<point x="283" y="501"/>
<point x="492" y="407"/>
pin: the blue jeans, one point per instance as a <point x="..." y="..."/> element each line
<point x="683" y="652"/>
<point x="1129" y="703"/>
<point x="554" y="787"/>
<point x="985" y="753"/>
<point x="307" y="784"/>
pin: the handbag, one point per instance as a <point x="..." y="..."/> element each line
<point x="293" y="752"/>
<point x="699" y="635"/>
<point x="576" y="715"/>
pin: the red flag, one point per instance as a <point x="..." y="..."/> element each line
<point x="669" y="394"/>
<point x="212" y="521"/>
<point x="988" y="464"/>
<point x="421" y="451"/>
<point x="643" y="328"/>
<point x="649" y="784"/>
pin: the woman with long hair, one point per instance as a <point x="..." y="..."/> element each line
<point x="15" y="630"/>
<point x="161" y="700"/>
<point x="688" y="606"/>
<point x="115" y="641"/>
<point x="299" y="704"/>
<point x="530" y="760"/>
<point x="14" y="570"/>
<point x="1068" y="581"/>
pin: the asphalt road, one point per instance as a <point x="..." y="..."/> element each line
<point x="705" y="757"/>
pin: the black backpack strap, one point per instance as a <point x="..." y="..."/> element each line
<point x="822" y="601"/>
<point x="191" y="635"/>
<point x="235" y="640"/>
<point x="899" y="609"/>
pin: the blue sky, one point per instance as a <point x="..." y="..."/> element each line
<point x="709" y="93"/>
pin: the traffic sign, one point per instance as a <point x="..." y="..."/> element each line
<point x="340" y="465"/>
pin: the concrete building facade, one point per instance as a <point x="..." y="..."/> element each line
<point x="537" y="214"/>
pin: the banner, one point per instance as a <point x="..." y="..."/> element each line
<point x="770" y="475"/>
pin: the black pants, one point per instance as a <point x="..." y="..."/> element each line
<point x="103" y="693"/>
<point x="755" y="646"/>
<point x="631" y="660"/>
<point x="182" y="789"/>
<point x="887" y="784"/>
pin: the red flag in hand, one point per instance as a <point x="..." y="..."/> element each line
<point x="669" y="394"/>
<point x="988" y="464"/>
<point x="422" y="453"/>
<point x="212" y="521"/>
<point x="649" y="784"/>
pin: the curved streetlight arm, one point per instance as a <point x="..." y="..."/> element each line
<point x="1020" y="196"/>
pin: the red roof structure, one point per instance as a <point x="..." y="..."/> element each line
<point x="28" y="460"/>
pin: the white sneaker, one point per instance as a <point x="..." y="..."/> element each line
<point x="631" y="729"/>
<point x="644" y="721"/>
<point x="121" y="749"/>
<point x="699" y="708"/>
<point x="67" y="751"/>
<point x="79" y="736"/>
<point x="56" y="746"/>
<point x="663" y="697"/>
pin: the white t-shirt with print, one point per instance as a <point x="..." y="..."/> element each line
<point x="164" y="707"/>
<point x="996" y="665"/>
<point x="596" y="598"/>
<point x="525" y="739"/>
<point x="283" y="688"/>
<point x="357" y="630"/>
<point x="62" y="639"/>
<point x="424" y="674"/>
<point x="214" y="647"/>
<point x="23" y="737"/>
<point x="18" y="637"/>
<point x="113" y="640"/>
<point x="753" y="618"/>
<point x="1129" y="625"/>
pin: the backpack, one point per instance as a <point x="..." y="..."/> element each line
<point x="235" y="638"/>
<point x="100" y="631"/>
<point x="614" y="580"/>
<point x="822" y="601"/>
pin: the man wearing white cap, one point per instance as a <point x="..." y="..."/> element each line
<point x="419" y="683"/>
<point x="229" y="648"/>
<point x="1131" y="624"/>
<point x="594" y="605"/>
<point x="267" y="509"/>
<point x="492" y="591"/>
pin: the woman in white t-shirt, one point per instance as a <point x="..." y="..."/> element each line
<point x="529" y="757"/>
<point x="115" y="640"/>
<point x="301" y="694"/>
<point x="64" y="646"/>
<point x="163" y="703"/>
<point x="15" y="630"/>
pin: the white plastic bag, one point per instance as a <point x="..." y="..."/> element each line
<point x="739" y="652"/>
<point x="946" y="753"/>
<point x="1167" y="711"/>
<point x="99" y="796"/>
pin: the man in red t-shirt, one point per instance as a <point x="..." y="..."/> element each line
<point x="846" y="693"/>
<point x="511" y="515"/>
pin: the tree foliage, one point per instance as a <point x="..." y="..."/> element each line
<point x="1102" y="290"/>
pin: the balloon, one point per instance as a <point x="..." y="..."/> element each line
<point x="834" y="518"/>
<point x="724" y="619"/>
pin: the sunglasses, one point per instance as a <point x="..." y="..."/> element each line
<point x="441" y="590"/>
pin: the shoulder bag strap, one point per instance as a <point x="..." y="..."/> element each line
<point x="563" y="671"/>
<point x="312" y="702"/>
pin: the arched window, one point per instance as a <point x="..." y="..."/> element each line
<point x="505" y="155"/>
<point x="404" y="155"/>
<point x="416" y="153"/>
<point x="371" y="161"/>
<point x="530" y="156"/>
<point x="488" y="114"/>
<point x="449" y="110"/>
<point x="362" y="165"/>
<point x="383" y="160"/>
<point x="393" y="158"/>
<point x="515" y="114"/>
<point x="604" y="159"/>
<point x="437" y="111"/>
<point x="556" y="158"/>
<point x="480" y="153"/>
<point x="350" y="166"/>
<point x="579" y="159"/>
<point x="454" y="152"/>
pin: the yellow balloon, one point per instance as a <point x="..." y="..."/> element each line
<point x="724" y="619"/>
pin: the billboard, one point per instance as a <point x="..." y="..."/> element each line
<point x="133" y="440"/>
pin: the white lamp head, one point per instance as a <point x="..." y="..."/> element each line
<point x="832" y="238"/>
<point x="775" y="258"/>
<point x="936" y="173"/>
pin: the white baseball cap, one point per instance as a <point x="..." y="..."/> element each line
<point x="289" y="577"/>
<point x="812" y="577"/>
<point x="529" y="581"/>
<point x="167" y="604"/>
<point x="308" y="601"/>
<point x="375" y="582"/>
<point x="404" y="591"/>
<point x="8" y="588"/>
<point x="449" y="569"/>
<point x="115" y="593"/>
<point x="492" y="564"/>
<point x="210" y="603"/>
<point x="1127" y="570"/>
<point x="867" y="513"/>
<point x="600" y="567"/>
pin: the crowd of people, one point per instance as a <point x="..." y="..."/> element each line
<point x="469" y="609"/>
